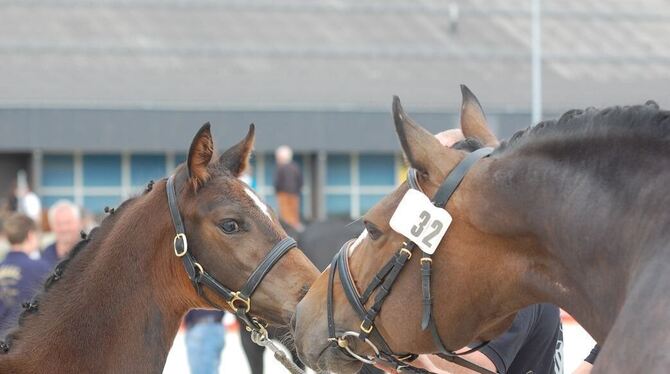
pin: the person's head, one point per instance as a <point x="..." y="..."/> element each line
<point x="283" y="155"/>
<point x="65" y="222"/>
<point x="450" y="137"/>
<point x="21" y="233"/>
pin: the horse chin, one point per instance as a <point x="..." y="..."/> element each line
<point x="332" y="360"/>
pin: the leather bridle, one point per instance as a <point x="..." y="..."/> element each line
<point x="383" y="282"/>
<point x="238" y="301"/>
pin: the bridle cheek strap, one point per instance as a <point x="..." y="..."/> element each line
<point x="440" y="199"/>
<point x="240" y="301"/>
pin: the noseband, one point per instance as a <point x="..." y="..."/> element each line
<point x="383" y="282"/>
<point x="238" y="301"/>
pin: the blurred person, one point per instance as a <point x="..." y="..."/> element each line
<point x="20" y="276"/>
<point x="288" y="183"/>
<point x="28" y="202"/>
<point x="3" y="239"/>
<point x="11" y="203"/>
<point x="65" y="222"/>
<point x="205" y="339"/>
<point x="587" y="365"/>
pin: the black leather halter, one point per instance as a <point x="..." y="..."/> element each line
<point x="239" y="301"/>
<point x="383" y="282"/>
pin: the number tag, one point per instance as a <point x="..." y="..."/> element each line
<point x="420" y="221"/>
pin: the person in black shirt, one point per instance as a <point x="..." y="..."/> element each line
<point x="586" y="366"/>
<point x="287" y="183"/>
<point x="532" y="345"/>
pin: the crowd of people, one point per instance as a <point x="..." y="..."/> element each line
<point x="25" y="265"/>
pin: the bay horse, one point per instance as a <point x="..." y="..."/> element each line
<point x="115" y="304"/>
<point x="573" y="212"/>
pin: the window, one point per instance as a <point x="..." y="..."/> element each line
<point x="58" y="170"/>
<point x="376" y="170"/>
<point x="97" y="204"/>
<point x="102" y="170"/>
<point x="339" y="170"/>
<point x="144" y="168"/>
<point x="338" y="205"/>
<point x="356" y="182"/>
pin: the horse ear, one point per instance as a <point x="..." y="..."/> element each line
<point x="423" y="151"/>
<point x="236" y="158"/>
<point x="199" y="156"/>
<point x="473" y="119"/>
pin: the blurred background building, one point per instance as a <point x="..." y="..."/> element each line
<point x="98" y="97"/>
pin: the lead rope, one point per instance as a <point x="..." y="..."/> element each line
<point x="260" y="337"/>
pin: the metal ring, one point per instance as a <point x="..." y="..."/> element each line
<point x="367" y="360"/>
<point x="181" y="236"/>
<point x="236" y="297"/>
<point x="199" y="267"/>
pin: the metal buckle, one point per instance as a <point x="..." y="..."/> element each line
<point x="368" y="330"/>
<point x="409" y="254"/>
<point x="428" y="259"/>
<point x="199" y="267"/>
<point x="181" y="236"/>
<point x="237" y="297"/>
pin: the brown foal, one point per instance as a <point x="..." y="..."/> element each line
<point x="117" y="305"/>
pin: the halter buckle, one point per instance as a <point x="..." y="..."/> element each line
<point x="409" y="253"/>
<point x="199" y="267"/>
<point x="368" y="330"/>
<point x="181" y="236"/>
<point x="236" y="297"/>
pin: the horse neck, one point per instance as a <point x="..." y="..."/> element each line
<point x="588" y="236"/>
<point x="117" y="306"/>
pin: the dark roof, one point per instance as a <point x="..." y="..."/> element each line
<point x="340" y="54"/>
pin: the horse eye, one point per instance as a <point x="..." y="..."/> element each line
<point x="230" y="226"/>
<point x="373" y="231"/>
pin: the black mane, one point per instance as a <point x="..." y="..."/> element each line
<point x="638" y="120"/>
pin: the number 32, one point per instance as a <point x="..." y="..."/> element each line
<point x="418" y="229"/>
